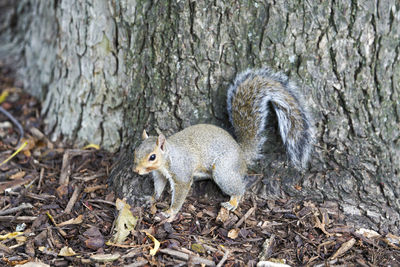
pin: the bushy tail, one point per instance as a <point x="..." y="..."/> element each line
<point x="248" y="107"/>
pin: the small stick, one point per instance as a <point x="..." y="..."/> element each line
<point x="185" y="256"/>
<point x="224" y="258"/>
<point x="16" y="209"/>
<point x="73" y="199"/>
<point x="247" y="215"/>
<point x="40" y="178"/>
<point x="101" y="201"/>
<point x="15" y="121"/>
<point x="8" y="218"/>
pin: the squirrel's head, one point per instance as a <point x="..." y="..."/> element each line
<point x="149" y="155"/>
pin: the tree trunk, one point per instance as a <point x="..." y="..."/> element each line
<point x="107" y="69"/>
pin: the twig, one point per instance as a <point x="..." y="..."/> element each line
<point x="247" y="215"/>
<point x="267" y="248"/>
<point x="73" y="199"/>
<point x="101" y="201"/>
<point x="15" y="184"/>
<point x="65" y="169"/>
<point x="66" y="166"/>
<point x="15" y="121"/>
<point x="19" y="208"/>
<point x="40" y="178"/>
<point x="186" y="257"/>
<point x="41" y="197"/>
<point x="89" y="178"/>
<point x="8" y="218"/>
<point x="224" y="258"/>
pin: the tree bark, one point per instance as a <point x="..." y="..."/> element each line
<point x="107" y="69"/>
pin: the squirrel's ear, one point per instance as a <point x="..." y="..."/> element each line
<point x="144" y="135"/>
<point x="161" y="141"/>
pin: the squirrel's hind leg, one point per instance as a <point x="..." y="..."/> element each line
<point x="229" y="178"/>
<point x="232" y="204"/>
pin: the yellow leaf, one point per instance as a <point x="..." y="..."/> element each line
<point x="154" y="250"/>
<point x="97" y="147"/>
<point x="198" y="248"/>
<point x="124" y="223"/>
<point x="3" y="96"/>
<point x="51" y="218"/>
<point x="66" y="251"/>
<point x="15" y="153"/>
<point x="10" y="235"/>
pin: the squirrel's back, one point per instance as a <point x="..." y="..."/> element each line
<point x="207" y="142"/>
<point x="248" y="102"/>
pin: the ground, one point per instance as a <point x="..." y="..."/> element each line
<point x="57" y="200"/>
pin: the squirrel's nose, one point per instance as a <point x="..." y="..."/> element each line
<point x="135" y="169"/>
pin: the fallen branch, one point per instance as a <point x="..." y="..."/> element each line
<point x="14" y="121"/>
<point x="224" y="258"/>
<point x="10" y="218"/>
<point x="16" y="209"/>
<point x="73" y="199"/>
<point x="247" y="215"/>
<point x="186" y="257"/>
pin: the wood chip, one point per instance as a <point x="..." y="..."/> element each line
<point x="344" y="248"/>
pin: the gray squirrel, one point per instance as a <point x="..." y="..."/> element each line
<point x="207" y="151"/>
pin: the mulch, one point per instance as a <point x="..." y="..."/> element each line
<point x="56" y="207"/>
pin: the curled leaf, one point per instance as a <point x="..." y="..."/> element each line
<point x="97" y="147"/>
<point x="67" y="251"/>
<point x="154" y="250"/>
<point x="77" y="220"/>
<point x="233" y="233"/>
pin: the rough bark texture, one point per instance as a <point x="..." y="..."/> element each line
<point x="108" y="69"/>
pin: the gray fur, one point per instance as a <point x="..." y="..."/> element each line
<point x="299" y="143"/>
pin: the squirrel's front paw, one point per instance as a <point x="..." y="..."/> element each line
<point x="170" y="214"/>
<point x="148" y="201"/>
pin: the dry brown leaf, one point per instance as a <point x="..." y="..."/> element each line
<point x="77" y="220"/>
<point x="66" y="251"/>
<point x="18" y="175"/>
<point x="223" y="215"/>
<point x="233" y="233"/>
<point x="91" y="189"/>
<point x="344" y="248"/>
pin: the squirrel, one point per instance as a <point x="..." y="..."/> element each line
<point x="206" y="151"/>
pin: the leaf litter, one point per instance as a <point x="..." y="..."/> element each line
<point x="58" y="199"/>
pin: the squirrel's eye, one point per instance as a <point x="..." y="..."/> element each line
<point x="152" y="157"/>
